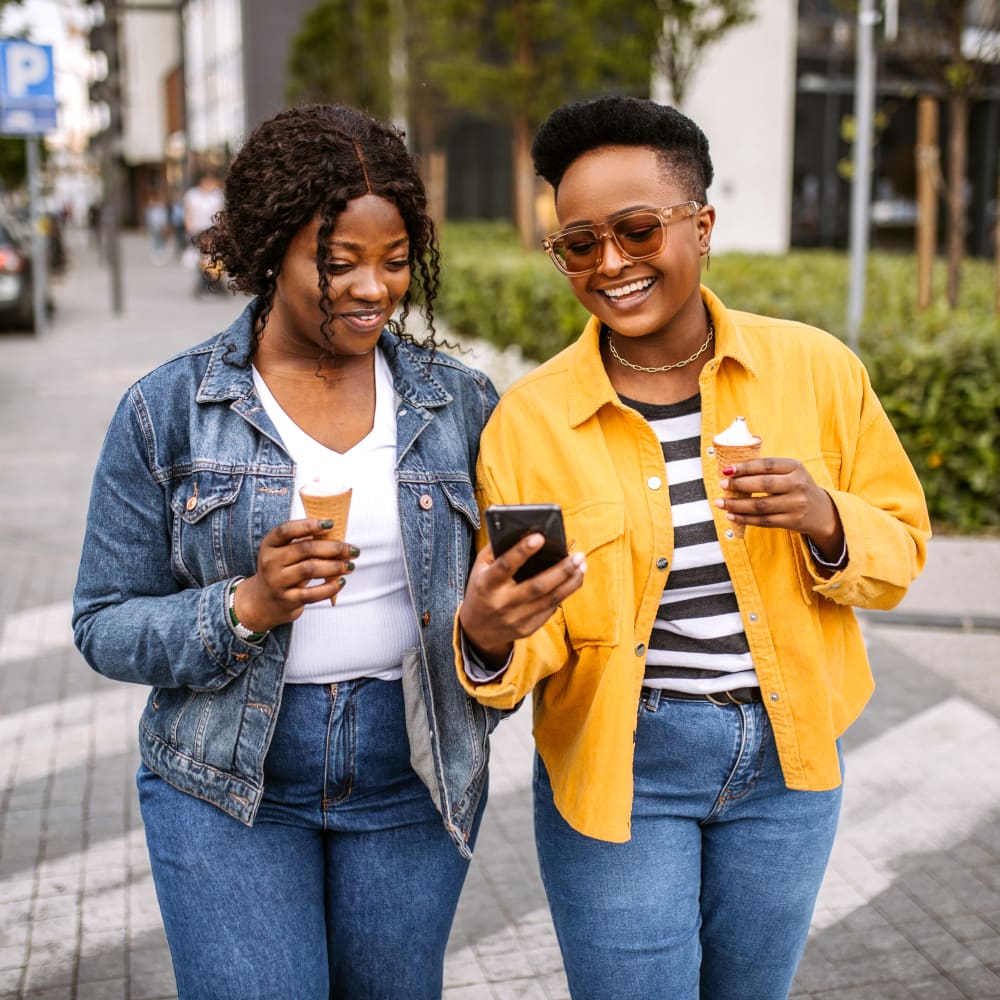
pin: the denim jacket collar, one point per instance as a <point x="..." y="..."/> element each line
<point x="228" y="377"/>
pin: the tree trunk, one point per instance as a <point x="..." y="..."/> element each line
<point x="436" y="182"/>
<point x="958" y="140"/>
<point x="996" y="245"/>
<point x="524" y="183"/>
<point x="524" y="174"/>
<point x="927" y="156"/>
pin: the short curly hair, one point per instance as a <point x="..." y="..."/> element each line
<point x="310" y="161"/>
<point x="581" y="126"/>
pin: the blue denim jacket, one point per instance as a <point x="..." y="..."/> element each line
<point x="191" y="477"/>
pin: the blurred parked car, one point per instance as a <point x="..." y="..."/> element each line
<point x="16" y="294"/>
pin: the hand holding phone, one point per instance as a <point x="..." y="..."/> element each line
<point x="507" y="524"/>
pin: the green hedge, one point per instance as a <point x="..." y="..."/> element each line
<point x="937" y="372"/>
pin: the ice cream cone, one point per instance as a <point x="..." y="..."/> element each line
<point x="729" y="454"/>
<point x="332" y="506"/>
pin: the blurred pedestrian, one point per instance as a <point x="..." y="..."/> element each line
<point x="177" y="227"/>
<point x="157" y="226"/>
<point x="312" y="773"/>
<point x="690" y="682"/>
<point x="201" y="203"/>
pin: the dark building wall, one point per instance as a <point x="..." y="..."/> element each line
<point x="268" y="29"/>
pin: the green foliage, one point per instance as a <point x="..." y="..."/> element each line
<point x="14" y="162"/>
<point x="936" y="371"/>
<point x="688" y="27"/>
<point x="493" y="290"/>
<point x="522" y="58"/>
<point x="341" y="55"/>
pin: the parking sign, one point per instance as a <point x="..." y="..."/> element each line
<point x="27" y="88"/>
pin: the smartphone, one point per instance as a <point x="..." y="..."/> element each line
<point x="507" y="524"/>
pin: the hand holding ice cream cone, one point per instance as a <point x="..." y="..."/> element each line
<point x="328" y="503"/>
<point x="735" y="444"/>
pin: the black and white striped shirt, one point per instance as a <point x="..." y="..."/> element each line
<point x="698" y="644"/>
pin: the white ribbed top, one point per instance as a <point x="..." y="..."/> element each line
<point x="366" y="632"/>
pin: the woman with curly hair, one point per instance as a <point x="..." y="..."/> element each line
<point x="312" y="773"/>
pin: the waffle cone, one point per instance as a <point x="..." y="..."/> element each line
<point x="729" y="454"/>
<point x="335" y="507"/>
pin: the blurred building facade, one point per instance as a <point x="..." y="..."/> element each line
<point x="776" y="98"/>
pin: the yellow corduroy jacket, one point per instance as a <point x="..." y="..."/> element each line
<point x="561" y="435"/>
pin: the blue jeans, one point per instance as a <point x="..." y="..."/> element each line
<point x="345" y="886"/>
<point x="713" y="895"/>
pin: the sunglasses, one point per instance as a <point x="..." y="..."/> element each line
<point x="638" y="235"/>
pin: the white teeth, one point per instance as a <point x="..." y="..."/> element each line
<point x="629" y="289"/>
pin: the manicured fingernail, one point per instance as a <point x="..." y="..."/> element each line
<point x="326" y="524"/>
<point x="728" y="470"/>
<point x="349" y="567"/>
<point x="355" y="551"/>
<point x="342" y="582"/>
<point x="720" y="503"/>
<point x="578" y="558"/>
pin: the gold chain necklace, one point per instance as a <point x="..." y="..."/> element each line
<point x="662" y="368"/>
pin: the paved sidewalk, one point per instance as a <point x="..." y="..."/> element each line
<point x="911" y="904"/>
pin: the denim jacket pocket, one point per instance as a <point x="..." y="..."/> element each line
<point x="202" y="507"/>
<point x="462" y="501"/>
<point x="594" y="612"/>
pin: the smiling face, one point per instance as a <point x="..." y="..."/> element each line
<point x="658" y="297"/>
<point x="368" y="273"/>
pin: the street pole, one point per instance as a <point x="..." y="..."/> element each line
<point x="861" y="180"/>
<point x="39" y="264"/>
<point x="112" y="150"/>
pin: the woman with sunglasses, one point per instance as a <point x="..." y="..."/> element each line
<point x="690" y="681"/>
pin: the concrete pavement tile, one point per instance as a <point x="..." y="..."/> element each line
<point x="12" y="957"/>
<point x="898" y="907"/>
<point x="59" y="876"/>
<point x="947" y="954"/>
<point x="96" y="966"/>
<point x="543" y="961"/>
<point x="501" y="942"/>
<point x="44" y="993"/>
<point x="48" y="975"/>
<point x="814" y="973"/>
<point x="10" y="984"/>
<point x="555" y="986"/>
<point x="15" y="929"/>
<point x="987" y="950"/>
<point x="158" y="987"/>
<point x="968" y="927"/>
<point x="104" y="912"/>
<point x="976" y="981"/>
<point x="865" y="918"/>
<point x="499" y="967"/>
<point x="937" y="988"/>
<point x="520" y="989"/>
<point x="476" y="992"/>
<point x="873" y="991"/>
<point x="463" y="970"/>
<point x="54" y="909"/>
<point x="16" y="889"/>
<point x="105" y="989"/>
<point x="148" y="960"/>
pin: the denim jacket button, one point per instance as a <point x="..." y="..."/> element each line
<point x="425" y="501"/>
<point x="425" y="618"/>
<point x="192" y="502"/>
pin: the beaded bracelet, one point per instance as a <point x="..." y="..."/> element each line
<point x="238" y="627"/>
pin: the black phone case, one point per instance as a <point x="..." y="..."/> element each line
<point x="507" y="524"/>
